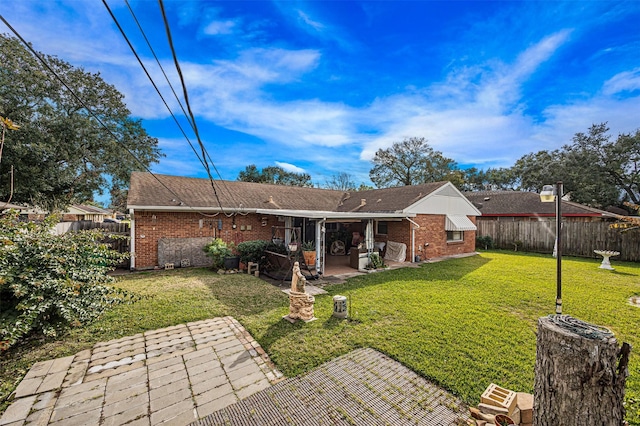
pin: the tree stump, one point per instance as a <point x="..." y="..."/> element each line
<point x="580" y="374"/>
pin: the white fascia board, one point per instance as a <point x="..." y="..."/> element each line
<point x="310" y="214"/>
<point x="187" y="209"/>
<point x="444" y="204"/>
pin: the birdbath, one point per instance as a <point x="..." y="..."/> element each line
<point x="606" y="254"/>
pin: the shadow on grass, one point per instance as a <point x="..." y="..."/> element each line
<point x="624" y="273"/>
<point x="245" y="295"/>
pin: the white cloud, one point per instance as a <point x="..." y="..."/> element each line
<point x="220" y="27"/>
<point x="290" y="167"/>
<point x="627" y="81"/>
<point x="475" y="116"/>
<point x="310" y="22"/>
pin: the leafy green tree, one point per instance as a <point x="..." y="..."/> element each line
<point x="365" y="187"/>
<point x="498" y="179"/>
<point x="601" y="168"/>
<point x="51" y="282"/>
<point x="61" y="154"/>
<point x="410" y="162"/>
<point x="535" y="170"/>
<point x="597" y="170"/>
<point x="274" y="175"/>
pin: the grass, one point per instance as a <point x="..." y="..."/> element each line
<point x="462" y="323"/>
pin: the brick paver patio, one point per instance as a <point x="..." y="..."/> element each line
<point x="170" y="376"/>
<point x="212" y="372"/>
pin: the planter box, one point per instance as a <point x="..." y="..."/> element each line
<point x="232" y="262"/>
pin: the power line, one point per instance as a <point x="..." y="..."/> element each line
<point x="229" y="192"/>
<point x="186" y="100"/>
<point x="84" y="105"/>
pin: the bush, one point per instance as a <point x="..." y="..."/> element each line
<point x="51" y="282"/>
<point x="252" y="251"/>
<point x="218" y="250"/>
<point x="486" y="242"/>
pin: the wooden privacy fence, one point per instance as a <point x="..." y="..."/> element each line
<point x="578" y="238"/>
<point x="121" y="245"/>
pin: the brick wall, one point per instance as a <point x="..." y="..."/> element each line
<point x="151" y="226"/>
<point x="156" y="225"/>
<point x="431" y="231"/>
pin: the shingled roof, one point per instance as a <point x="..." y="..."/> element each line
<point x="386" y="199"/>
<point x="147" y="191"/>
<point x="520" y="203"/>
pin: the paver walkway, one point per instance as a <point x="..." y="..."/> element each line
<point x="363" y="387"/>
<point x="171" y="376"/>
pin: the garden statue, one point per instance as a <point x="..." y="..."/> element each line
<point x="300" y="303"/>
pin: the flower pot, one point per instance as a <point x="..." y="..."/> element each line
<point x="309" y="257"/>
<point x="232" y="262"/>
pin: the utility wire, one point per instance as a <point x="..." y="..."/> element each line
<point x="186" y="101"/>
<point x="144" y="35"/>
<point x="84" y="105"/>
<point x="151" y="80"/>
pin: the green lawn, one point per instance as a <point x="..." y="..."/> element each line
<point x="462" y="323"/>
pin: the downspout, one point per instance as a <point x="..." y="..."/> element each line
<point x="132" y="241"/>
<point x="413" y="239"/>
<point x="320" y="242"/>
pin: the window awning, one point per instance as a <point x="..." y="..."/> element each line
<point x="456" y="222"/>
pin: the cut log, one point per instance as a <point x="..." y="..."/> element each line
<point x="580" y="374"/>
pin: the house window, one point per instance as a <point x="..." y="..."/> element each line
<point x="382" y="227"/>
<point x="454" y="236"/>
<point x="331" y="227"/>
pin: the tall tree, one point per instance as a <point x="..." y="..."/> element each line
<point x="274" y="175"/>
<point x="602" y="169"/>
<point x="62" y="154"/>
<point x="492" y="179"/>
<point x="411" y="162"/>
<point x="341" y="182"/>
<point x="596" y="169"/>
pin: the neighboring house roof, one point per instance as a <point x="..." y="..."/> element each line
<point x="86" y="209"/>
<point x="162" y="192"/>
<point x="7" y="206"/>
<point x="520" y="203"/>
<point x="22" y="209"/>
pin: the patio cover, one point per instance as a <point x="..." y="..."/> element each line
<point x="457" y="222"/>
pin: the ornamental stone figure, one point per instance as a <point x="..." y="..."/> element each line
<point x="300" y="303"/>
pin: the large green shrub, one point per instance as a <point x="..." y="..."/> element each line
<point x="485" y="242"/>
<point x="252" y="251"/>
<point x="50" y="282"/>
<point x="218" y="250"/>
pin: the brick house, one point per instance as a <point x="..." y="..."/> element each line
<point x="174" y="217"/>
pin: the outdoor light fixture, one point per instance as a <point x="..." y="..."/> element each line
<point x="548" y="195"/>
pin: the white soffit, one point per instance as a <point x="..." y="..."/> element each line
<point x="459" y="223"/>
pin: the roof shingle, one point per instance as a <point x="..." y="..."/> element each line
<point x="149" y="191"/>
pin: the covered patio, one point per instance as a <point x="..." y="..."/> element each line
<point x="317" y="226"/>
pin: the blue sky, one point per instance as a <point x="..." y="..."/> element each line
<point x="320" y="86"/>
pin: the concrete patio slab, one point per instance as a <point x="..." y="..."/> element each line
<point x="170" y="376"/>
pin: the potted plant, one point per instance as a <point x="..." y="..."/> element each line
<point x="309" y="253"/>
<point x="222" y="255"/>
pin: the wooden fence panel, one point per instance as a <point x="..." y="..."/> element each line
<point x="121" y="245"/>
<point x="578" y="238"/>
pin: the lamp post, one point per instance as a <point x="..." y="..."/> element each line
<point x="548" y="195"/>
